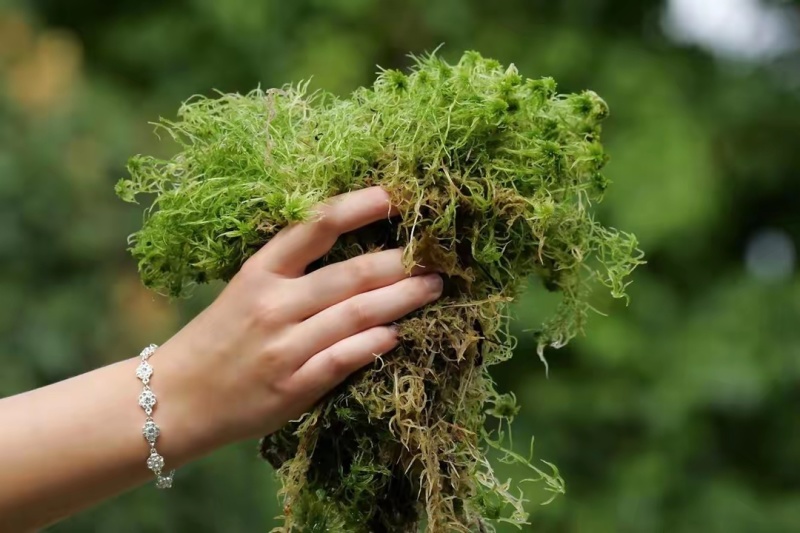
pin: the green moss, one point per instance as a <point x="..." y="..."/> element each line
<point x="495" y="175"/>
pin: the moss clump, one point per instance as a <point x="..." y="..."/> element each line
<point x="495" y="175"/>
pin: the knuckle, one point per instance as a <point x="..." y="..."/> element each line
<point x="275" y="368"/>
<point x="267" y="311"/>
<point x="362" y="270"/>
<point x="337" y="362"/>
<point x="279" y="387"/>
<point x="250" y="271"/>
<point x="279" y="343"/>
<point x="324" y="222"/>
<point x="359" y="314"/>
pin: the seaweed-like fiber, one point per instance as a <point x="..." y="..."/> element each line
<point x="495" y="175"/>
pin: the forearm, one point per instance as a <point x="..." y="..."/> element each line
<point x="72" y="444"/>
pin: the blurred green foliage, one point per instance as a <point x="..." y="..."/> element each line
<point x="678" y="413"/>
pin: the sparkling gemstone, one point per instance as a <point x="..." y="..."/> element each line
<point x="147" y="399"/>
<point x="164" y="482"/>
<point x="144" y="371"/>
<point x="155" y="462"/>
<point x="151" y="431"/>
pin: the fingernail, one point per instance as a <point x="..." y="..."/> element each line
<point x="434" y="282"/>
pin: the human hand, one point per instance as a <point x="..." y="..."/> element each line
<point x="277" y="339"/>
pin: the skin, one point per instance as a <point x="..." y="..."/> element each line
<point x="271" y="345"/>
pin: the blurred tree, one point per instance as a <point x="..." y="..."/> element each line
<point x="678" y="413"/>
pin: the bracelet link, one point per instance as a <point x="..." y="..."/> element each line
<point x="150" y="430"/>
<point x="165" y="482"/>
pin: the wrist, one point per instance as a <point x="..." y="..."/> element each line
<point x="189" y="427"/>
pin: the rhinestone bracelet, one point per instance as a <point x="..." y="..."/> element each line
<point x="151" y="431"/>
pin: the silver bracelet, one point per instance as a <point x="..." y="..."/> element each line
<point x="151" y="431"/>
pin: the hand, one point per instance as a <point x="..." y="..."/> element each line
<point x="276" y="340"/>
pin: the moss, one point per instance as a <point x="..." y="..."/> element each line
<point x="495" y="175"/>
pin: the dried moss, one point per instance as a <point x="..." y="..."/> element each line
<point x="495" y="175"/>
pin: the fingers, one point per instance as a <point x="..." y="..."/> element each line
<point x="331" y="366"/>
<point x="338" y="282"/>
<point x="295" y="247"/>
<point x="365" y="311"/>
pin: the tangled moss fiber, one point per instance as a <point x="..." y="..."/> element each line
<point x="495" y="175"/>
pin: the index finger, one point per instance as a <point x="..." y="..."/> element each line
<point x="295" y="247"/>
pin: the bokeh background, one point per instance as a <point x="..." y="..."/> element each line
<point x="679" y="413"/>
